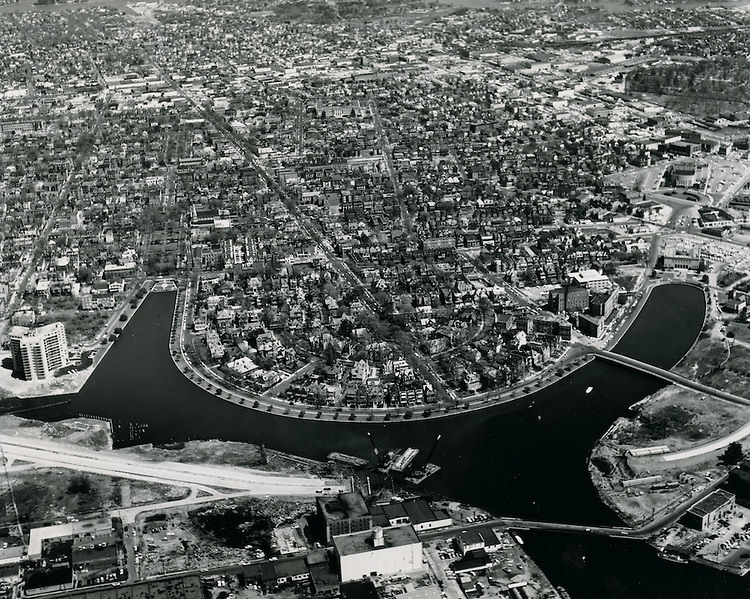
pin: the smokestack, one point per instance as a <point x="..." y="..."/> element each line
<point x="369" y="487"/>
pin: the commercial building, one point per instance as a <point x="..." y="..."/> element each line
<point x="37" y="353"/>
<point x="382" y="551"/>
<point x="602" y="304"/>
<point x="344" y="513"/>
<point x="416" y="512"/>
<point x="682" y="258"/>
<point x="710" y="509"/>
<point x="570" y="298"/>
<point x="591" y="279"/>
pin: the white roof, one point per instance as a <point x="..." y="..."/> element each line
<point x="584" y="276"/>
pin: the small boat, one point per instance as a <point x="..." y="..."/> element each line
<point x="673" y="557"/>
<point x="589" y="390"/>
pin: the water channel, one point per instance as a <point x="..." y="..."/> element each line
<point x="527" y="459"/>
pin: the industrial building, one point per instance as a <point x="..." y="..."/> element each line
<point x="382" y="551"/>
<point x="710" y="509"/>
<point x="38" y="353"/>
<point x="344" y="513"/>
<point x="416" y="512"/>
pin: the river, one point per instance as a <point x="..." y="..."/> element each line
<point x="526" y="459"/>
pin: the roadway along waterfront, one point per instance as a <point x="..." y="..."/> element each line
<point x="526" y="459"/>
<point x="204" y="477"/>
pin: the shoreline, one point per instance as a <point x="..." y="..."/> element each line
<point x="575" y="356"/>
<point x="279" y="407"/>
<point x="72" y="383"/>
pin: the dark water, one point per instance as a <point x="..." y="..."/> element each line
<point x="525" y="460"/>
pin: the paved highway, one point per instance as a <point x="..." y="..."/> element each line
<point x="206" y="477"/>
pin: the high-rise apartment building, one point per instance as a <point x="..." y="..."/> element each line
<point x="38" y="352"/>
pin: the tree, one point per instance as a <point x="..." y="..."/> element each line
<point x="84" y="275"/>
<point x="733" y="454"/>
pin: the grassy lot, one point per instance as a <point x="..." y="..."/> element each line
<point x="204" y="452"/>
<point x="680" y="418"/>
<point x="706" y="355"/>
<point x="734" y="376"/>
<point x="49" y="493"/>
<point x="740" y="330"/>
<point x="81" y="326"/>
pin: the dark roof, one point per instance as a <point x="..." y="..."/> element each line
<point x="473" y="560"/>
<point x="489" y="536"/>
<point x="713" y="502"/>
<point x="394" y="510"/>
<point x="359" y="589"/>
<point x="378" y="516"/>
<point x="344" y="506"/>
<point x="290" y="567"/>
<point x="419" y="511"/>
<point x="323" y="578"/>
<point x="361" y="542"/>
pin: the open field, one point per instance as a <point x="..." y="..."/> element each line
<point x="56" y="493"/>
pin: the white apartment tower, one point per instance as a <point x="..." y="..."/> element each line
<point x="38" y="352"/>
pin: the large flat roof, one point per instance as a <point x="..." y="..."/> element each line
<point x="361" y="542"/>
<point x="38" y="535"/>
<point x="713" y="502"/>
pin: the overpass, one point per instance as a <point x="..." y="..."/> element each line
<point x="666" y="375"/>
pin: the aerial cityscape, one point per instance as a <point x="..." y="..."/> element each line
<point x="415" y="299"/>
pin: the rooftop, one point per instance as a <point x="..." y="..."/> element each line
<point x="344" y="506"/>
<point x="361" y="542"/>
<point x="713" y="502"/>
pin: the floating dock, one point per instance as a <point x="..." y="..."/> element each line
<point x="419" y="476"/>
<point x="347" y="460"/>
<point x="402" y="460"/>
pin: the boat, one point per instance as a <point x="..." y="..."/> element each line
<point x="673" y="557"/>
<point x="347" y="460"/>
<point x="589" y="390"/>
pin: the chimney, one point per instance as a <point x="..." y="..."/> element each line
<point x="377" y="537"/>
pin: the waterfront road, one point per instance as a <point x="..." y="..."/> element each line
<point x="206" y="477"/>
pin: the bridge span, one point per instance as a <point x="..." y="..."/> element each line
<point x="667" y="375"/>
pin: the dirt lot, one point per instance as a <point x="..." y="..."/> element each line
<point x="87" y="432"/>
<point x="231" y="531"/>
<point x="204" y="452"/>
